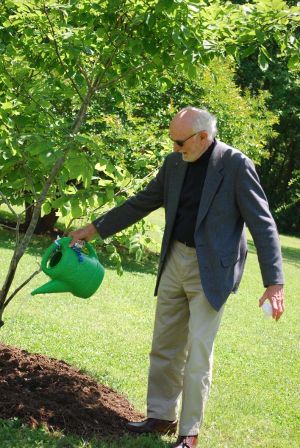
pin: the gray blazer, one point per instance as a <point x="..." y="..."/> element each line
<point x="232" y="196"/>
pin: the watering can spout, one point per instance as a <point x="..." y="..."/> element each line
<point x="52" y="286"/>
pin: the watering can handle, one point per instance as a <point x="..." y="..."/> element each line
<point x="46" y="257"/>
<point x="62" y="243"/>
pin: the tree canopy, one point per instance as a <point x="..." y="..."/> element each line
<point x="57" y="58"/>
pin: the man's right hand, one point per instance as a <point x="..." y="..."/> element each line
<point x="84" y="234"/>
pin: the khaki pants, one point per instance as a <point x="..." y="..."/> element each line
<point x="182" y="349"/>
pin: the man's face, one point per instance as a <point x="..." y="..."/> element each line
<point x="191" y="145"/>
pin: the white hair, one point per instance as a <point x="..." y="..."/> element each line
<point x="203" y="121"/>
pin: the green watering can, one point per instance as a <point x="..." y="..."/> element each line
<point x="71" y="269"/>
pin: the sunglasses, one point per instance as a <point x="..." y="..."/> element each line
<point x="182" y="142"/>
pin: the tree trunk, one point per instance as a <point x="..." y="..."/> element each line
<point x="45" y="223"/>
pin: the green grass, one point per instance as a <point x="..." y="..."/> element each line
<point x="254" y="400"/>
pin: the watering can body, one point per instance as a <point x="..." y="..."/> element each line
<point x="73" y="270"/>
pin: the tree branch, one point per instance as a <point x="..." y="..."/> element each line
<point x="118" y="78"/>
<point x="65" y="67"/>
<point x="108" y="63"/>
<point x="123" y="190"/>
<point x="7" y="227"/>
<point x="20" y="287"/>
<point x="84" y="73"/>
<point x="8" y="204"/>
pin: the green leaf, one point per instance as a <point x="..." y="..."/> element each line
<point x="120" y="270"/>
<point x="266" y="53"/>
<point x="207" y="45"/>
<point x="176" y="38"/>
<point x="91" y="201"/>
<point x="191" y="70"/>
<point x="131" y="80"/>
<point x="59" y="202"/>
<point x="8" y="105"/>
<point x="248" y="51"/>
<point x="46" y="208"/>
<point x="293" y="62"/>
<point x="110" y="249"/>
<point x="138" y="254"/>
<point x="193" y="8"/>
<point x="120" y="200"/>
<point x="109" y="193"/>
<point x="136" y="47"/>
<point x="150" y="20"/>
<point x="47" y="159"/>
<point x="133" y="247"/>
<point x="74" y="165"/>
<point x="115" y="258"/>
<point x="231" y="49"/>
<point x="263" y="62"/>
<point x="163" y="5"/>
<point x="260" y="35"/>
<point x="38" y="146"/>
<point x="76" y="211"/>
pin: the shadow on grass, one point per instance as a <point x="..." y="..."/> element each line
<point x="290" y="255"/>
<point x="39" y="243"/>
<point x="148" y="265"/>
<point x="15" y="434"/>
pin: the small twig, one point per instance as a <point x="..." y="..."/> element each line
<point x="7" y="227"/>
<point x="108" y="63"/>
<point x="18" y="231"/>
<point x="26" y="208"/>
<point x="117" y="78"/>
<point x="84" y="73"/>
<point x="8" y="204"/>
<point x="29" y="179"/>
<point x="72" y="220"/>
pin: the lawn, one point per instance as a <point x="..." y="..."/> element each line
<point x="254" y="400"/>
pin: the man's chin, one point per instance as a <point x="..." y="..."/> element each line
<point x="186" y="158"/>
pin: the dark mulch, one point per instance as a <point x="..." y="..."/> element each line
<point x="44" y="391"/>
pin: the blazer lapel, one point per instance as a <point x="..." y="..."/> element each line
<point x="213" y="179"/>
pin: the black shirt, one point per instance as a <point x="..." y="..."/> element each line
<point x="191" y="192"/>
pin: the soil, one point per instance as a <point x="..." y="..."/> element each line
<point x="44" y="391"/>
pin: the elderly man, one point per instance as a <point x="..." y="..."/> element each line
<point x="209" y="191"/>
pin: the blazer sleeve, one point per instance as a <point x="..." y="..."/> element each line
<point x="255" y="211"/>
<point x="134" y="208"/>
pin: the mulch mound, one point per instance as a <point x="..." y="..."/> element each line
<point x="44" y="391"/>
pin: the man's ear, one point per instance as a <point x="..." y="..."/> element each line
<point x="203" y="135"/>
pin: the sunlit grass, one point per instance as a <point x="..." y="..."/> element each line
<point x="254" y="400"/>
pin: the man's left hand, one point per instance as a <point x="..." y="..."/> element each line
<point x="275" y="294"/>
